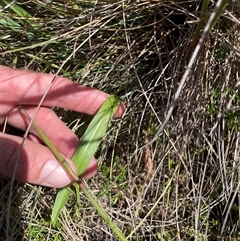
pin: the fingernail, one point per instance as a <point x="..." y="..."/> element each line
<point x="53" y="175"/>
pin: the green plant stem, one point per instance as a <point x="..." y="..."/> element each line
<point x="101" y="212"/>
<point x="50" y="145"/>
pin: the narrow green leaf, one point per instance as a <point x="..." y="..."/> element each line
<point x="94" y="134"/>
<point x="15" y="8"/>
<point x="61" y="199"/>
<point x="202" y="17"/>
<point x="18" y="10"/>
<point x="219" y="11"/>
<point x="8" y="22"/>
<point x="87" y="147"/>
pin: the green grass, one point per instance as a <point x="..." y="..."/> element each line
<point x="139" y="51"/>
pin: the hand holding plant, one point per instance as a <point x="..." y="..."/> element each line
<point x="37" y="163"/>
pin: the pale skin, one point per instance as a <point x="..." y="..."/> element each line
<point x="37" y="164"/>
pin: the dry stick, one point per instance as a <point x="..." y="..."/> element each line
<point x="219" y="6"/>
<point x="229" y="208"/>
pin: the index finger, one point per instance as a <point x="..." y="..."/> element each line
<point x="22" y="87"/>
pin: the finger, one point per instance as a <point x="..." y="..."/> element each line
<point x="57" y="132"/>
<point x="36" y="164"/>
<point x="21" y="87"/>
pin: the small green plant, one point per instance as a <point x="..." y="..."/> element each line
<point x="118" y="179"/>
<point x="221" y="52"/>
<point x="231" y="114"/>
<point x="39" y="232"/>
<point x="87" y="147"/>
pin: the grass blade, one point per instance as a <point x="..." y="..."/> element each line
<point x="61" y="199"/>
<point x="7" y="22"/>
<point x="20" y="12"/>
<point x="16" y="9"/>
<point x="94" y="134"/>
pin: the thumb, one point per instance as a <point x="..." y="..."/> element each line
<point x="34" y="163"/>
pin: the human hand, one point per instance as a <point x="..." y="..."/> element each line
<point x="37" y="164"/>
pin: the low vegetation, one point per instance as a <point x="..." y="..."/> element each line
<point x="184" y="185"/>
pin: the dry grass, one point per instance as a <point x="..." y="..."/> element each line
<point x="138" y="50"/>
